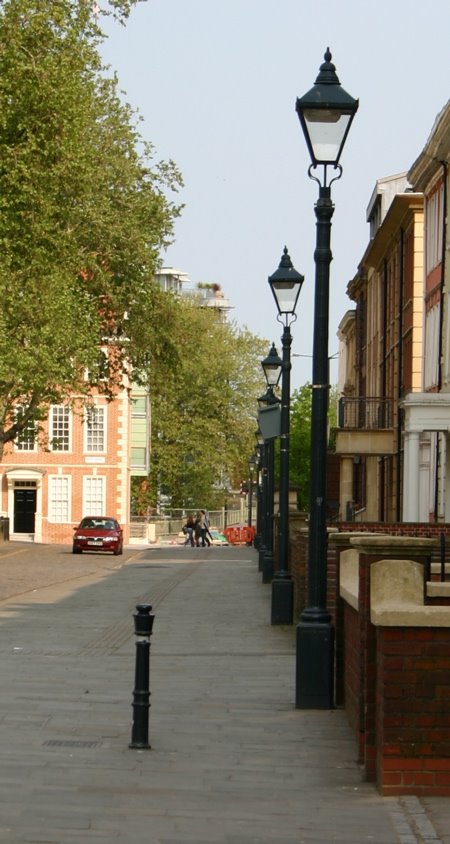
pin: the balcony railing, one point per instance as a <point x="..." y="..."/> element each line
<point x="365" y="413"/>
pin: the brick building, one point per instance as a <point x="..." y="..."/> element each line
<point x="395" y="350"/>
<point x="77" y="464"/>
<point x="384" y="358"/>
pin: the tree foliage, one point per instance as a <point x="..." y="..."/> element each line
<point x="84" y="214"/>
<point x="300" y="439"/>
<point x="300" y="443"/>
<point x="204" y="408"/>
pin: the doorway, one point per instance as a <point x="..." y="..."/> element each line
<point x="24" y="509"/>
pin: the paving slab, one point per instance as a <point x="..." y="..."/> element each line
<point x="231" y="760"/>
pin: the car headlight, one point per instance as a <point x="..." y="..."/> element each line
<point x="110" y="539"/>
<point x="80" y="536"/>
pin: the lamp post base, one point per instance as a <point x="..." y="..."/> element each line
<point x="314" y="688"/>
<point x="267" y="568"/>
<point x="282" y="600"/>
<point x="261" y="552"/>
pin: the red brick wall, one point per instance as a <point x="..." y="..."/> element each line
<point x="427" y="529"/>
<point x="353" y="676"/>
<point x="395" y="682"/>
<point x="298" y="566"/>
<point x="413" y="710"/>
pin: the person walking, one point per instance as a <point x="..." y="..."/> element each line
<point x="204" y="528"/>
<point x="188" y="530"/>
<point x="197" y="528"/>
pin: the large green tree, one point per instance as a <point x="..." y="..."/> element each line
<point x="84" y="214"/>
<point x="204" y="408"/>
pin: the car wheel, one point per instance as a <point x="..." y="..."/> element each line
<point x="76" y="550"/>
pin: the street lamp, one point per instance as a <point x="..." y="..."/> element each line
<point x="259" y="454"/>
<point x="252" y="466"/>
<point x="285" y="284"/>
<point x="267" y="402"/>
<point x="326" y="113"/>
<point x="272" y="366"/>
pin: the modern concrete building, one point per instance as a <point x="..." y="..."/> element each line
<point x="208" y="294"/>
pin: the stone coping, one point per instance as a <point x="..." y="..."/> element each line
<point x="343" y="537"/>
<point x="393" y="602"/>
<point x="349" y="577"/>
<point x="396" y="597"/>
<point x="436" y="589"/>
<point x="376" y="543"/>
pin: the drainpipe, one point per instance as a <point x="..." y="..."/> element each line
<point x="400" y="371"/>
<point x="441" y="324"/>
<point x="444" y="241"/>
<point x="383" y="391"/>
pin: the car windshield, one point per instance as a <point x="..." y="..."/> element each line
<point x="103" y="524"/>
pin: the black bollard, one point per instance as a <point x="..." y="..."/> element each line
<point x="143" y="626"/>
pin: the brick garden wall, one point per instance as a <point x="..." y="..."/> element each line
<point x="298" y="553"/>
<point x="430" y="530"/>
<point x="394" y="682"/>
<point x="352" y="680"/>
<point x="413" y="711"/>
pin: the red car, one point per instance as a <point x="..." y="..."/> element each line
<point x="98" y="533"/>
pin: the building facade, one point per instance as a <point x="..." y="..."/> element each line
<point x="383" y="354"/>
<point x="78" y="464"/>
<point x="81" y="458"/>
<point x="427" y="415"/>
<point x="394" y="419"/>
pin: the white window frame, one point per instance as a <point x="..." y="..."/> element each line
<point x="94" y="495"/>
<point x="55" y="424"/>
<point x="96" y="411"/>
<point x="138" y="402"/>
<point x="60" y="499"/>
<point x="431" y="355"/>
<point x="434" y="228"/>
<point x="26" y="440"/>
<point x="142" y="462"/>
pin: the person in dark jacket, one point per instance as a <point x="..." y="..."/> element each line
<point x="188" y="530"/>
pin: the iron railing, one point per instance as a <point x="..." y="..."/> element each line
<point x="365" y="413"/>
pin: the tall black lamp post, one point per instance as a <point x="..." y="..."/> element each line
<point x="252" y="467"/>
<point x="326" y="113"/>
<point x="265" y="402"/>
<point x="285" y="284"/>
<point x="259" y="489"/>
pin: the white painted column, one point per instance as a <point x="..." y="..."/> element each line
<point x="411" y="477"/>
<point x="424" y="490"/>
<point x="38" y="514"/>
<point x="442" y="469"/>
<point x="372" y="494"/>
<point x="346" y="485"/>
<point x="447" y="481"/>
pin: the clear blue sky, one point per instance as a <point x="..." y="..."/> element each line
<point x="216" y="85"/>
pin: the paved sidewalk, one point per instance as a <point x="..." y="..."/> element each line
<point x="232" y="761"/>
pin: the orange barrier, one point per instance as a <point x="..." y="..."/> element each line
<point x="240" y="534"/>
<point x="231" y="534"/>
<point x="248" y="533"/>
